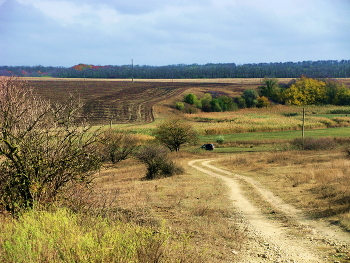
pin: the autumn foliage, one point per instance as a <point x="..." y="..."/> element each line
<point x="82" y="67"/>
<point x="307" y="91"/>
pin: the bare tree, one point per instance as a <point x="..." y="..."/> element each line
<point x="118" y="146"/>
<point x="43" y="147"/>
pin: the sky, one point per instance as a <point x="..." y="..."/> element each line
<point x="168" y="32"/>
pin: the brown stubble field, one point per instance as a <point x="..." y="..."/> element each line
<point x="125" y="101"/>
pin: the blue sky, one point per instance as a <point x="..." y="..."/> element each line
<point x="165" y="32"/>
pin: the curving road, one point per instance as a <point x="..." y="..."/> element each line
<point x="304" y="240"/>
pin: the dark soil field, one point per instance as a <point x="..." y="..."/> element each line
<point x="121" y="101"/>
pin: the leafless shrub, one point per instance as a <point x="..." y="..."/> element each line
<point x="157" y="161"/>
<point x="118" y="146"/>
<point x="326" y="143"/>
<point x="43" y="147"/>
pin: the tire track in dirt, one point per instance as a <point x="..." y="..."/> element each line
<point x="289" y="248"/>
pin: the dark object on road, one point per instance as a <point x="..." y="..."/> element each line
<point x="208" y="146"/>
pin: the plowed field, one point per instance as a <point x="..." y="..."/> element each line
<point x="120" y="101"/>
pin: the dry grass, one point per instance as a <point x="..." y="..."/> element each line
<point x="189" y="213"/>
<point x="192" y="207"/>
<point x="271" y="119"/>
<point x="317" y="182"/>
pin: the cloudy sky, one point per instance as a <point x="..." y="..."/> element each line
<point x="166" y="32"/>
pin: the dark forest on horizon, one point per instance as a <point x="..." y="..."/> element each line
<point x="314" y="69"/>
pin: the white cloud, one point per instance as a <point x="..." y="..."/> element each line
<point x="69" y="13"/>
<point x="166" y="31"/>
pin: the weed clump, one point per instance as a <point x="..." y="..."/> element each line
<point x="314" y="144"/>
<point x="220" y="139"/>
<point x="157" y="162"/>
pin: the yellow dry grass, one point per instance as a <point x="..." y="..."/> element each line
<point x="191" y="205"/>
<point x="317" y="182"/>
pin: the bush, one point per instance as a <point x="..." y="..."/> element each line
<point x="169" y="168"/>
<point x="190" y="98"/>
<point x="314" y="144"/>
<point x="44" y="147"/>
<point x="340" y="111"/>
<point x="291" y="114"/>
<point x="263" y="102"/>
<point x="347" y="152"/>
<point x="250" y="97"/>
<point x="157" y="161"/>
<point x="191" y="110"/>
<point x="220" y="139"/>
<point x="117" y="146"/>
<point x="180" y="106"/>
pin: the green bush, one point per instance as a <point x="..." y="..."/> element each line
<point x="179" y="106"/>
<point x="190" y="98"/>
<point x="220" y="139"/>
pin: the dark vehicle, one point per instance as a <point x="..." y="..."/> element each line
<point x="208" y="146"/>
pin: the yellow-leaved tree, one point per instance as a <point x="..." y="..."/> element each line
<point x="306" y="91"/>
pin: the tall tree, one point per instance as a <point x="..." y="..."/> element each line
<point x="174" y="132"/>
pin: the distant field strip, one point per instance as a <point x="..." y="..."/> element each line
<point x="214" y="80"/>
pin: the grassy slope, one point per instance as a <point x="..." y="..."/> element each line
<point x="186" y="205"/>
<point x="317" y="182"/>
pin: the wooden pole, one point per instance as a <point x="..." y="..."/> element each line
<point x="132" y="70"/>
<point x="303" y="129"/>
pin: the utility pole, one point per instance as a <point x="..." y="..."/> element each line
<point x="172" y="73"/>
<point x="132" y="70"/>
<point x="303" y="129"/>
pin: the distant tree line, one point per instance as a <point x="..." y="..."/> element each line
<point x="314" y="69"/>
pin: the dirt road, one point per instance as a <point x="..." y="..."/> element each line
<point x="296" y="239"/>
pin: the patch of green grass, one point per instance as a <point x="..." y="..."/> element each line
<point x="280" y="135"/>
<point x="330" y="116"/>
<point x="259" y="148"/>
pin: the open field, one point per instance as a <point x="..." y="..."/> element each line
<point x="194" y="216"/>
<point x="120" y="101"/>
<point x="212" y="80"/>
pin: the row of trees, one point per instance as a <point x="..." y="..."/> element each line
<point x="306" y="91"/>
<point x="46" y="148"/>
<point x="303" y="91"/>
<point x="207" y="103"/>
<point x="316" y="69"/>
